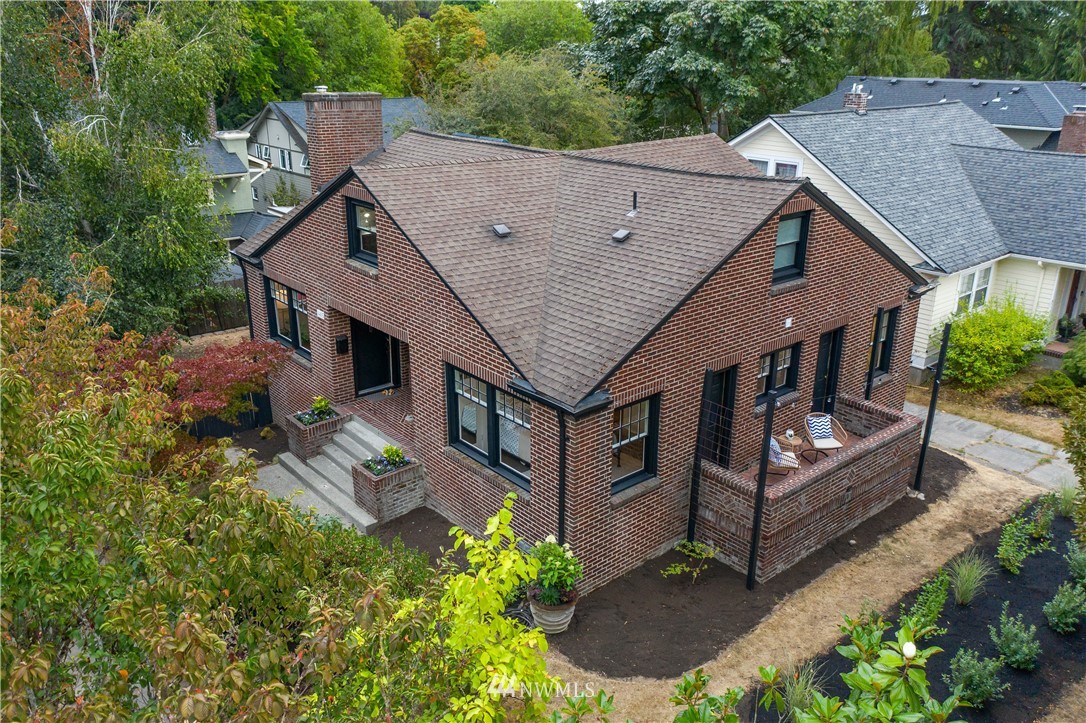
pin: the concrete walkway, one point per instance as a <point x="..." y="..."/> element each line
<point x="1037" y="461"/>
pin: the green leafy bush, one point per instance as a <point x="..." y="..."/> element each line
<point x="1074" y="362"/>
<point x="1055" y="390"/>
<point x="924" y="613"/>
<point x="1066" y="610"/>
<point x="698" y="555"/>
<point x="968" y="573"/>
<point x="354" y="562"/>
<point x="1016" y="543"/>
<point x="559" y="571"/>
<point x="992" y="342"/>
<point x="1016" y="642"/>
<point x="394" y="455"/>
<point x="320" y="410"/>
<point x="1076" y="561"/>
<point x="692" y="697"/>
<point x="977" y="677"/>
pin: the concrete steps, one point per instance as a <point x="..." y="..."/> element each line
<point x="325" y="480"/>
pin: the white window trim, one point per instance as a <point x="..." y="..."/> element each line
<point x="959" y="292"/>
<point x="254" y="193"/>
<point x="265" y="151"/>
<point x="772" y="162"/>
<point x="305" y="162"/>
<point x="286" y="163"/>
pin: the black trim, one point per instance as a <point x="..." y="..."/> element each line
<point x="492" y="457"/>
<point x="561" y="476"/>
<point x="795" y="271"/>
<point x="790" y="384"/>
<point x="588" y="405"/>
<point x="248" y="300"/>
<point x="885" y="360"/>
<point x="293" y="339"/>
<point x="354" y="239"/>
<point x="652" y="443"/>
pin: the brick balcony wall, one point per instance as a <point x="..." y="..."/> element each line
<point x="817" y="504"/>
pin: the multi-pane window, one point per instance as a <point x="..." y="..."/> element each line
<point x="791" y="247"/>
<point x="781" y="167"/>
<point x="362" y="231"/>
<point x="633" y="443"/>
<point x="785" y="170"/>
<point x="284" y="160"/>
<point x="491" y="425"/>
<point x="305" y="161"/>
<point x="777" y="371"/>
<point x="973" y="288"/>
<point x="885" y="324"/>
<point x="288" y="316"/>
<point x="256" y="195"/>
<point x="761" y="165"/>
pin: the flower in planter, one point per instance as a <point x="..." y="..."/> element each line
<point x="391" y="458"/>
<point x="559" y="572"/>
<point x="320" y="410"/>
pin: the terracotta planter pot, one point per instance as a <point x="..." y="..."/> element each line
<point x="552" y="619"/>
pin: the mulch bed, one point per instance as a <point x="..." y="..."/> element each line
<point x="644" y="624"/>
<point x="422" y="529"/>
<point x="1062" y="659"/>
<point x="264" y="450"/>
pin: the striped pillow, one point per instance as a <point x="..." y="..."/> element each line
<point x="820" y="427"/>
<point x="775" y="455"/>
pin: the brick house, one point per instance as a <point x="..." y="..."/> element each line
<point x="543" y="322"/>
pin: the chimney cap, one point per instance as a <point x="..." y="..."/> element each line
<point x="321" y="88"/>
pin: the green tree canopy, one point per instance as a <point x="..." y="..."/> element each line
<point x="436" y="48"/>
<point x="357" y="48"/>
<point x="992" y="38"/>
<point x="532" y="100"/>
<point x="890" y="38"/>
<point x="528" y="26"/>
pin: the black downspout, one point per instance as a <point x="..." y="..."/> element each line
<point x="248" y="301"/>
<point x="695" y="476"/>
<point x="871" y="361"/>
<point x="759" y="499"/>
<point x="935" y="384"/>
<point x="561" y="476"/>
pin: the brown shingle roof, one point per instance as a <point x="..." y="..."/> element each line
<point x="562" y="299"/>
<point x="707" y="153"/>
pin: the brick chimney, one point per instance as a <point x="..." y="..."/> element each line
<point x="1073" y="132"/>
<point x="856" y="99"/>
<point x="340" y="129"/>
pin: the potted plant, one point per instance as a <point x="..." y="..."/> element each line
<point x="318" y="412"/>
<point x="391" y="458"/>
<point x="554" y="595"/>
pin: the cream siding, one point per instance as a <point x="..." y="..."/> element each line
<point x="1032" y="284"/>
<point x="1028" y="139"/>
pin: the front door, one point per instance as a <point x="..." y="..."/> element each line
<point x="827" y="369"/>
<point x="720" y="408"/>
<point x="376" y="358"/>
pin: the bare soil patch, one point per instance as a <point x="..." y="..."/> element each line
<point x="1069" y="708"/>
<point x="422" y="529"/>
<point x="196" y="345"/>
<point x="264" y="451"/>
<point x="674" y="626"/>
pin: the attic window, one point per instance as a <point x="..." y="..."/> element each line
<point x="621" y="235"/>
<point x="501" y="230"/>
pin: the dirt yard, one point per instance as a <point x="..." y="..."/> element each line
<point x="805" y="623"/>
<point x="1000" y="407"/>
<point x="195" y="346"/>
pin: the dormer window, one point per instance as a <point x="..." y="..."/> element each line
<point x="791" y="247"/>
<point x="362" y="231"/>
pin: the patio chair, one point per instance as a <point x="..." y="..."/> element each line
<point x="824" y="434"/>
<point x="780" y="462"/>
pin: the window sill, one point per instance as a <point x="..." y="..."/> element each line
<point x="301" y="361"/>
<point x="785" y="400"/>
<point x="635" y="491"/>
<point x="505" y="481"/>
<point x="783" y="287"/>
<point x="880" y="379"/>
<point x="361" y="267"/>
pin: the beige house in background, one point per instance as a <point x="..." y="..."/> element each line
<point x="955" y="198"/>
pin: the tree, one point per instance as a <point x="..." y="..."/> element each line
<point x="436" y="48"/>
<point x="420" y="53"/>
<point x="728" y="63"/>
<point x="535" y="100"/>
<point x="890" y="38"/>
<point x="531" y="26"/>
<point x="1062" y="53"/>
<point x="357" y="48"/>
<point x="990" y="38"/>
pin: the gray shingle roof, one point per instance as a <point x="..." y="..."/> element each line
<point x="901" y="163"/>
<point x="1036" y="200"/>
<point x="396" y="114"/>
<point x="220" y="161"/>
<point x="1036" y="104"/>
<point x="247" y="224"/>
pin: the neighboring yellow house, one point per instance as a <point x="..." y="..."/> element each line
<point x="954" y="197"/>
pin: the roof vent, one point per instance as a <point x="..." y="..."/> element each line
<point x="501" y="230"/>
<point x="1016" y="89"/>
<point x="997" y="99"/>
<point x="984" y="102"/>
<point x="943" y="99"/>
<point x="633" y="211"/>
<point x="974" y="83"/>
<point x="321" y="88"/>
<point x="893" y="81"/>
<point x="931" y="82"/>
<point x="621" y="235"/>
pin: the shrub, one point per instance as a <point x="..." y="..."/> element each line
<point x="924" y="613"/>
<point x="1066" y="610"/>
<point x="698" y="555"/>
<point x="977" y="677"/>
<point x="1043" y="514"/>
<point x="394" y="455"/>
<point x="1055" y="390"/>
<point x="1016" y="642"/>
<point x="1066" y="497"/>
<point x="968" y="573"/>
<point x="559" y="571"/>
<point x="320" y="410"/>
<point x="1074" y="362"/>
<point x="355" y="562"/>
<point x="1076" y="561"/>
<point x="391" y="458"/>
<point x="1015" y="543"/>
<point x="692" y="697"/>
<point x="992" y="342"/>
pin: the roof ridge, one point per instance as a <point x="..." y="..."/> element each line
<point x="678" y="169"/>
<point x="956" y="80"/>
<point x="794" y="113"/>
<point x="480" y="141"/>
<point x="1031" y="151"/>
<point x="452" y="161"/>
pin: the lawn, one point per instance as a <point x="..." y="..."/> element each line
<point x="1000" y="407"/>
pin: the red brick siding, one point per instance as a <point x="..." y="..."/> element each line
<point x="341" y="128"/>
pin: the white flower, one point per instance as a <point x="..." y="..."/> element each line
<point x="551" y="539"/>
<point x="908" y="650"/>
<point x="569" y="552"/>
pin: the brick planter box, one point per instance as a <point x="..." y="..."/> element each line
<point x="809" y="508"/>
<point x="392" y="494"/>
<point x="305" y="441"/>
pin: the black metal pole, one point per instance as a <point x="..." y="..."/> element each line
<point x="561" y="476"/>
<point x="936" y="381"/>
<point x="759" y="498"/>
<point x="871" y="358"/>
<point x="695" y="476"/>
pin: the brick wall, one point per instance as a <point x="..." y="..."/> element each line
<point x="730" y="320"/>
<point x="305" y="441"/>
<point x="392" y="494"/>
<point x="340" y="129"/>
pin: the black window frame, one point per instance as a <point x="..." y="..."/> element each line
<point x="884" y="355"/>
<point x="354" y="238"/>
<point x="652" y="444"/>
<point x="492" y="456"/>
<point x="791" y="382"/>
<point x="797" y="268"/>
<point x="292" y="339"/>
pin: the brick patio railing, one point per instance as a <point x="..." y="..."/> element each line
<point x="816" y="504"/>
